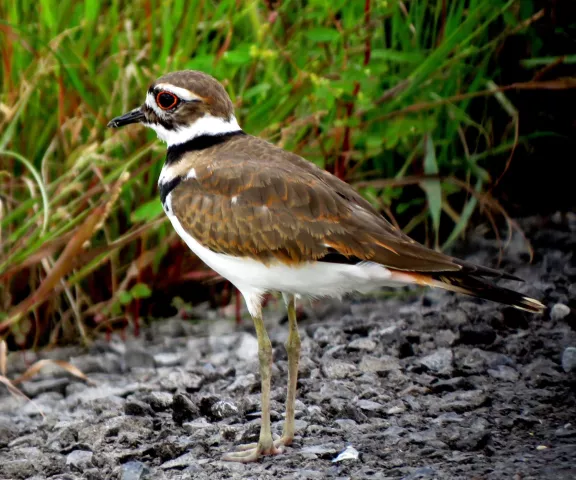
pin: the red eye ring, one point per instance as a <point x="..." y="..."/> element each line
<point x="166" y="100"/>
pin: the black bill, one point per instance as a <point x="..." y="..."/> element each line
<point x="133" y="116"/>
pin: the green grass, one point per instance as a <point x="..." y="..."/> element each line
<point x="370" y="90"/>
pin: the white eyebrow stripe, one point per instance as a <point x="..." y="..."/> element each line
<point x="183" y="93"/>
<point x="151" y="101"/>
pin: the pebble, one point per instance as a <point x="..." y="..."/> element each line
<point x="33" y="389"/>
<point x="320" y="450"/>
<point x="223" y="409"/>
<point x="559" y="311"/>
<point x="477" y="335"/>
<point x="385" y="363"/>
<point x="179" y="379"/>
<point x="336" y="369"/>
<point x="180" y="462"/>
<point x="365" y="344"/>
<point x="349" y="453"/>
<point x="396" y="410"/>
<point x="369" y="405"/>
<point x="167" y="359"/>
<point x="134" y="470"/>
<point x="136" y="358"/>
<point x="421" y="473"/>
<point x="183" y="409"/>
<point x="159" y="401"/>
<point x="445" y="338"/>
<point x="440" y="361"/>
<point x="247" y="349"/>
<point x="504" y="372"/>
<point x="138" y="408"/>
<point x="569" y="359"/>
<point x="80" y="459"/>
<point x="461" y="401"/>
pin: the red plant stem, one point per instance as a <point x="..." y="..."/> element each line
<point x="342" y="161"/>
<point x="238" y="307"/>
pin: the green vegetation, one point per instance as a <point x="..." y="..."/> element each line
<point x="374" y="90"/>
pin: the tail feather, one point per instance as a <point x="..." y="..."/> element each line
<point x="482" y="288"/>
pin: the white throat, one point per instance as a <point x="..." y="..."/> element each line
<point x="206" y="125"/>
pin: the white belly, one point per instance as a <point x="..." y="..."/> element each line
<point x="314" y="279"/>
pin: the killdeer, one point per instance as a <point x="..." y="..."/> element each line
<point x="269" y="220"/>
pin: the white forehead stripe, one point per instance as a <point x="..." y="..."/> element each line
<point x="183" y="93"/>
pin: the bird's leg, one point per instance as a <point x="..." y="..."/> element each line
<point x="293" y="350"/>
<point x="265" y="445"/>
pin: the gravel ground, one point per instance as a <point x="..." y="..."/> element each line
<point x="421" y="385"/>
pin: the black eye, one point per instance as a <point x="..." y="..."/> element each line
<point x="166" y="100"/>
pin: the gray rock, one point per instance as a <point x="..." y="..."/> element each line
<point x="440" y="361"/>
<point x="393" y="431"/>
<point x="183" y="409"/>
<point x="134" y="470"/>
<point x="559" y="311"/>
<point x="159" y="401"/>
<point x="337" y="369"/>
<point x="477" y="335"/>
<point x="138" y="408"/>
<point x="346" y="424"/>
<point x="243" y="382"/>
<point x="136" y="358"/>
<point x="365" y="344"/>
<point x="102" y="391"/>
<point x="80" y="459"/>
<point x="504" y="372"/>
<point x="223" y="409"/>
<point x="569" y="359"/>
<point x="8" y="431"/>
<point x="198" y="424"/>
<point x="167" y="359"/>
<point x="423" y="436"/>
<point x="473" y="441"/>
<point x="448" y="417"/>
<point x="445" y="338"/>
<point x="180" y="379"/>
<point x="47" y="403"/>
<point x="384" y="363"/>
<point x="33" y="389"/>
<point x="247" y="348"/>
<point x="180" y="462"/>
<point x="369" y="405"/>
<point x="325" y="450"/>
<point x="461" y="401"/>
<point x="102" y="363"/>
<point x="396" y="409"/>
<point x="421" y="473"/>
<point x="541" y="371"/>
<point x="65" y="434"/>
<point x="478" y="361"/>
<point x="451" y="385"/>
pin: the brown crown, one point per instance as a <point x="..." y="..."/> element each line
<point x="214" y="98"/>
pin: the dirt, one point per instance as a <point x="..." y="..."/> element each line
<point x="421" y="385"/>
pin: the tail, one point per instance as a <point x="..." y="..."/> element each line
<point x="470" y="285"/>
<point x="479" y="287"/>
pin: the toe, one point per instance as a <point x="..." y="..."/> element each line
<point x="245" y="456"/>
<point x="247" y="446"/>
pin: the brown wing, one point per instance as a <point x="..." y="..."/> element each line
<point x="273" y="205"/>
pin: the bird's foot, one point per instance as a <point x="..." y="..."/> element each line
<point x="253" y="451"/>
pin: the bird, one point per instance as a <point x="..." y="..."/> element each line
<point x="269" y="221"/>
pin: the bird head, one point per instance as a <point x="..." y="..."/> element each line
<point x="183" y="105"/>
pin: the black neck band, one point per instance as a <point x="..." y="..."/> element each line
<point x="201" y="142"/>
